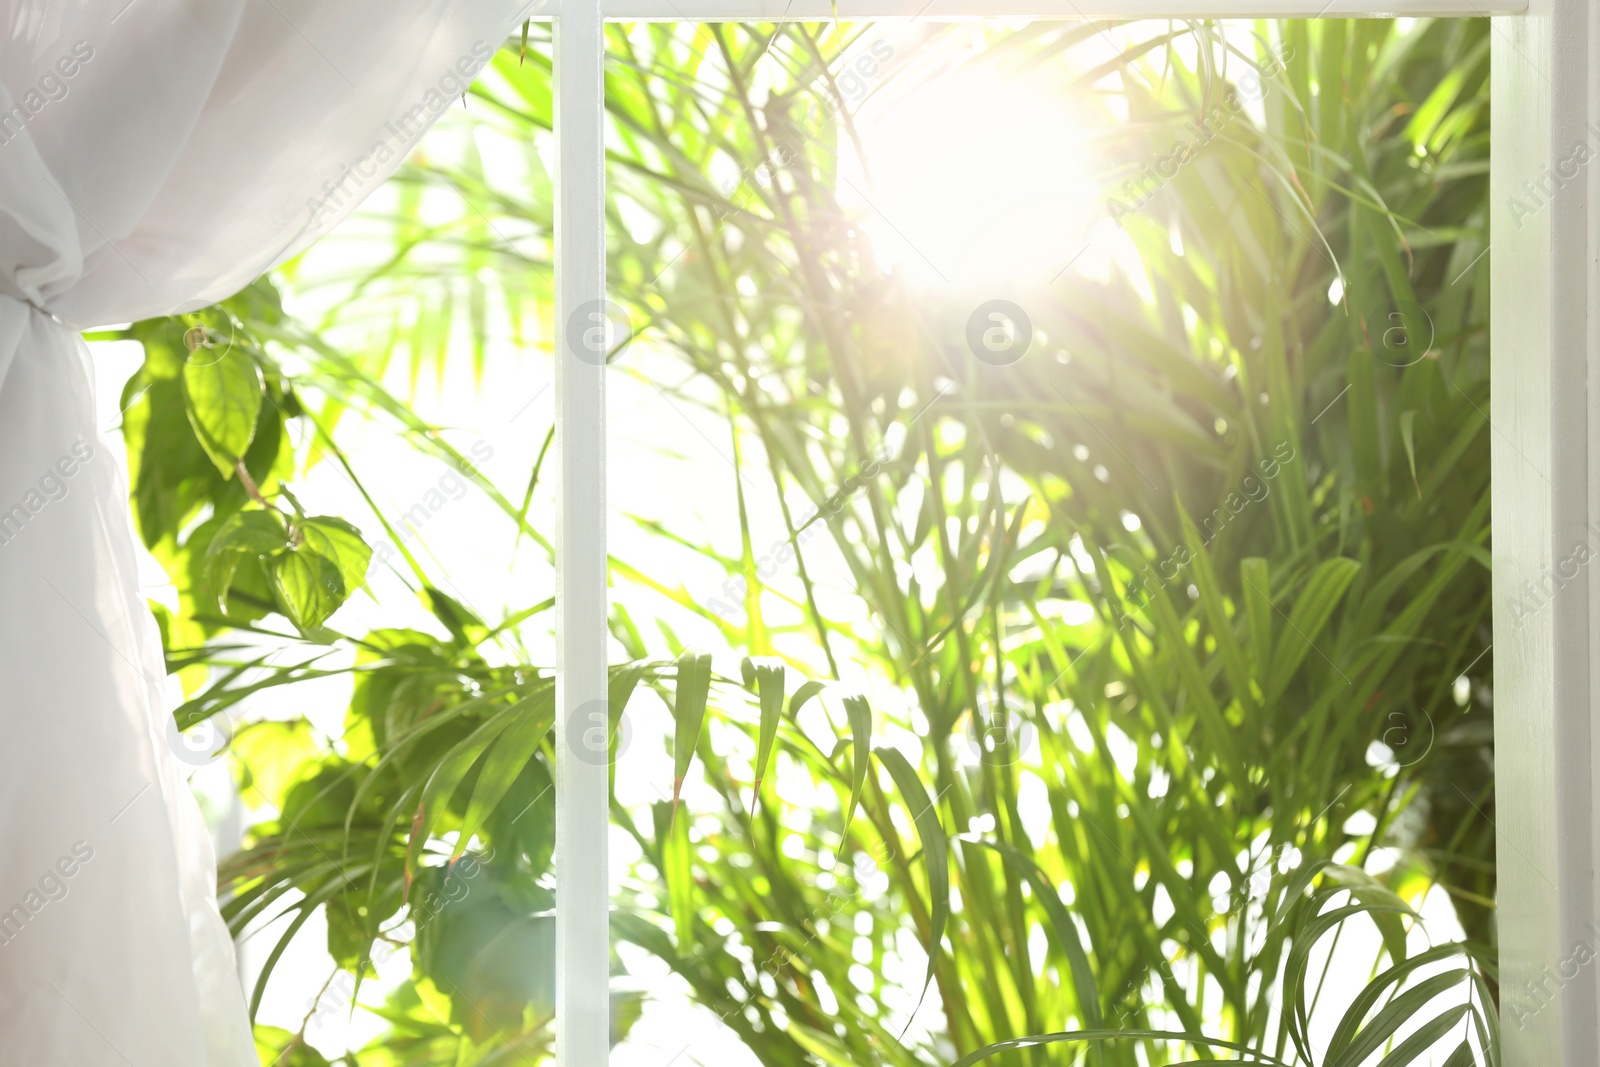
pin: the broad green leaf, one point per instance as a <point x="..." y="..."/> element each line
<point x="1408" y="438"/>
<point x="802" y="695"/>
<point x="1315" y="605"/>
<point x="1369" y="890"/>
<point x="1403" y="1009"/>
<point x="339" y="543"/>
<point x="270" y="753"/>
<point x="619" y="690"/>
<point x="689" y="712"/>
<point x="313" y="578"/>
<point x="309" y="586"/>
<point x="1433" y="110"/>
<point x="1426" y="1036"/>
<point x="223" y="398"/>
<point x="244" y="534"/>
<point x="770" y="680"/>
<point x="1062" y="930"/>
<point x="254" y="532"/>
<point x="678" y="872"/>
<point x="277" y="1047"/>
<point x="463" y="624"/>
<point x="447" y="776"/>
<point x="534" y="715"/>
<point x="934" y="853"/>
<point x="859" y="712"/>
<point x="1374" y="991"/>
<point x="1297" y="1021"/>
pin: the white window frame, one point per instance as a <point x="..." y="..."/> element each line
<point x="1546" y="499"/>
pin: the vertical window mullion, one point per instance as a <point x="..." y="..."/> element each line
<point x="582" y="818"/>
<point x="1544" y="343"/>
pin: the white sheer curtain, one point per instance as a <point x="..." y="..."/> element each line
<point x="155" y="156"/>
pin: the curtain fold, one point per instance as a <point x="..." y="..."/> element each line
<point x="155" y="157"/>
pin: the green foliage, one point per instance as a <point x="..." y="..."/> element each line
<point x="215" y="463"/>
<point x="689" y="712"/>
<point x="223" y="401"/>
<point x="1307" y="575"/>
<point x="1168" y="631"/>
<point x="278" y="1046"/>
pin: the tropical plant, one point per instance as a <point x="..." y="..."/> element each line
<point x="1120" y="666"/>
<point x="1276" y="584"/>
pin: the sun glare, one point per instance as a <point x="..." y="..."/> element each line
<point x="974" y="178"/>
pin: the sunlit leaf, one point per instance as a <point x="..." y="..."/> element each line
<point x="258" y="534"/>
<point x="688" y="711"/>
<point x="770" y="679"/>
<point x="534" y="718"/>
<point x="934" y="862"/>
<point x="859" y="712"/>
<point x="224" y="398"/>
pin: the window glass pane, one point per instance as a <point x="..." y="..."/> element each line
<point x="1061" y="397"/>
<point x="1048" y="504"/>
<point x="407" y="392"/>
